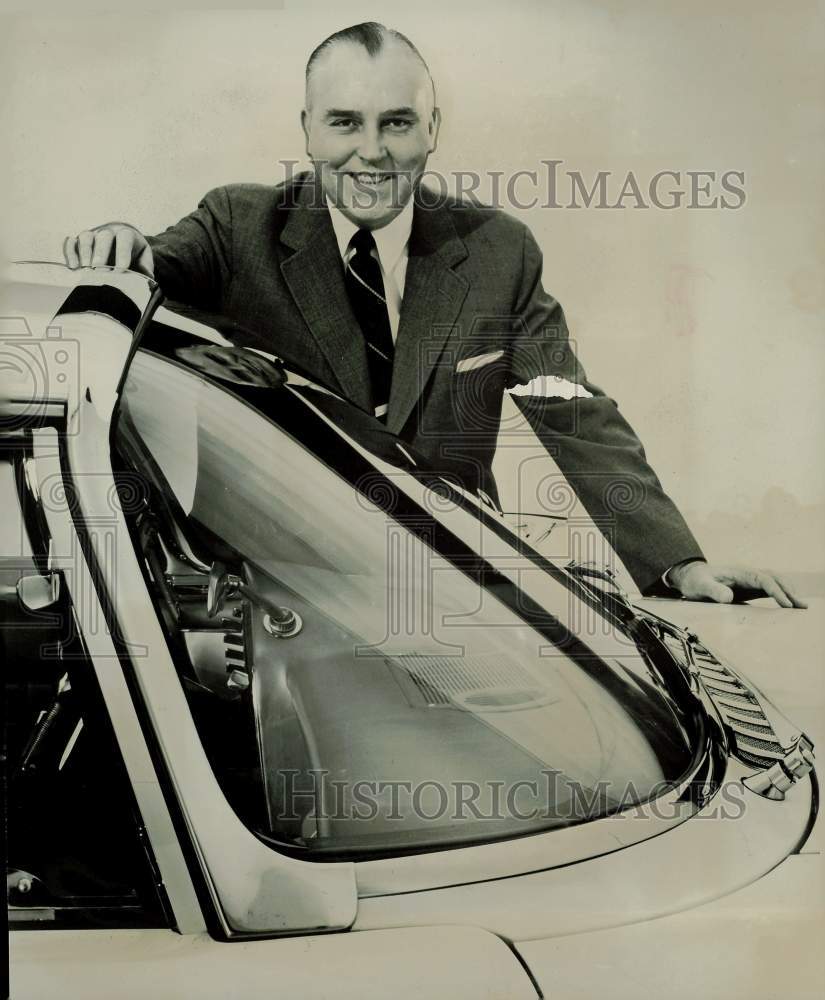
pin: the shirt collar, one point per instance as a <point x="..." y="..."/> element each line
<point x="390" y="240"/>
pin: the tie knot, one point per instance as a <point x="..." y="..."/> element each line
<point x="363" y="242"/>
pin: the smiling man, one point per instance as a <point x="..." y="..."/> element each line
<point x="421" y="310"/>
<point x="370" y="122"/>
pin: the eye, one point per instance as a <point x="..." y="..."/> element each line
<point x="344" y="124"/>
<point x="398" y="124"/>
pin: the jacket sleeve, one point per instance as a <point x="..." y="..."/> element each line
<point x="593" y="445"/>
<point x="193" y="258"/>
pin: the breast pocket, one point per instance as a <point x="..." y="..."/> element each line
<point x="477" y="387"/>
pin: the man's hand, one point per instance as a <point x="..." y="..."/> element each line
<point x="115" y="245"/>
<point x="699" y="581"/>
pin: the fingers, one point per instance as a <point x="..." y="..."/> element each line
<point x="699" y="583"/>
<point x="101" y="247"/>
<point x="87" y="249"/>
<point x="769" y="585"/>
<point x="143" y="260"/>
<point x="789" y="591"/>
<point x="718" y="592"/>
<point x="124" y="247"/>
<point x="766" y="582"/>
<point x="70" y="252"/>
<point x="85" y="245"/>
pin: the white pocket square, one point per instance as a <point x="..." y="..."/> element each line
<point x="468" y="364"/>
<point x="550" y="387"/>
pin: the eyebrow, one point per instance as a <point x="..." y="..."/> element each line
<point x="405" y="112"/>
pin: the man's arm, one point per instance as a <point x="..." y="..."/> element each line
<point x="605" y="463"/>
<point x="594" y="446"/>
<point x="193" y="258"/>
<point x="191" y="261"/>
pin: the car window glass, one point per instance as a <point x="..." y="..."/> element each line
<point x="407" y="679"/>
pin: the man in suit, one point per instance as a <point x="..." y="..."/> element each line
<point x="420" y="309"/>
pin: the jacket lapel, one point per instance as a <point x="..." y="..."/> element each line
<point x="433" y="296"/>
<point x="314" y="275"/>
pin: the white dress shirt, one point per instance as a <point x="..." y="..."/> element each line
<point x="392" y="242"/>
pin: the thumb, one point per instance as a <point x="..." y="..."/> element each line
<point x="146" y="262"/>
<point x="718" y="592"/>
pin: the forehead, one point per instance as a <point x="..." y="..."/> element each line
<point x="347" y="76"/>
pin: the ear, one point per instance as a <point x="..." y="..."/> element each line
<point x="305" y="127"/>
<point x="434" y="126"/>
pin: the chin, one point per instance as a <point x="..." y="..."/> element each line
<point x="374" y="218"/>
<point x="371" y="216"/>
<point x="359" y="204"/>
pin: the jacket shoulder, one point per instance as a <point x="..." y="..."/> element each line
<point x="487" y="232"/>
<point x="266" y="196"/>
<point x="474" y="221"/>
<point x="251" y="209"/>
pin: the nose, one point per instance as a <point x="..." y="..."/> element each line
<point x="371" y="147"/>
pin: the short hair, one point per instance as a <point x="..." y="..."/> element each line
<point x="371" y="36"/>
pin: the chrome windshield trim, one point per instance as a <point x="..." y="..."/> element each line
<point x="733" y="841"/>
<point x="89" y="615"/>
<point x="553" y="849"/>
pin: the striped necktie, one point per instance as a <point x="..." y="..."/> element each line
<point x="365" y="288"/>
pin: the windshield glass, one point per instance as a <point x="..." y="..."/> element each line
<point x="414" y="708"/>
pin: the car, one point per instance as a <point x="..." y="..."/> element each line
<point x="288" y="712"/>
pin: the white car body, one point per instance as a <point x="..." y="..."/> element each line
<point x="727" y="908"/>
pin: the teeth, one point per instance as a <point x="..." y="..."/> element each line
<point x="370" y="178"/>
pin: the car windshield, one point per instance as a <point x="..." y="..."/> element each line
<point x="416" y="706"/>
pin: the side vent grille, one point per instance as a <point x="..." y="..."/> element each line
<point x="756" y="743"/>
<point x="778" y="761"/>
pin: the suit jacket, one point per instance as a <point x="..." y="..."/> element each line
<point x="475" y="319"/>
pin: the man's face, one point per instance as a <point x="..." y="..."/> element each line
<point x="370" y="126"/>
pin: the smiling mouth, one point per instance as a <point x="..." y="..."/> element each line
<point x="369" y="178"/>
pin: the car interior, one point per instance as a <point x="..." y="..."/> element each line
<point x="75" y="847"/>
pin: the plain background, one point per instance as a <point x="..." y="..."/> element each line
<point x="707" y="326"/>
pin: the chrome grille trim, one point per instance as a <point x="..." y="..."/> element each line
<point x="750" y="725"/>
<point x="753" y="736"/>
<point x="748" y="699"/>
<point x="771" y="746"/>
<point x="738" y="712"/>
<point x="754" y="760"/>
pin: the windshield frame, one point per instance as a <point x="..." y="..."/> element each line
<point x="514" y="854"/>
<point x="256" y="889"/>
